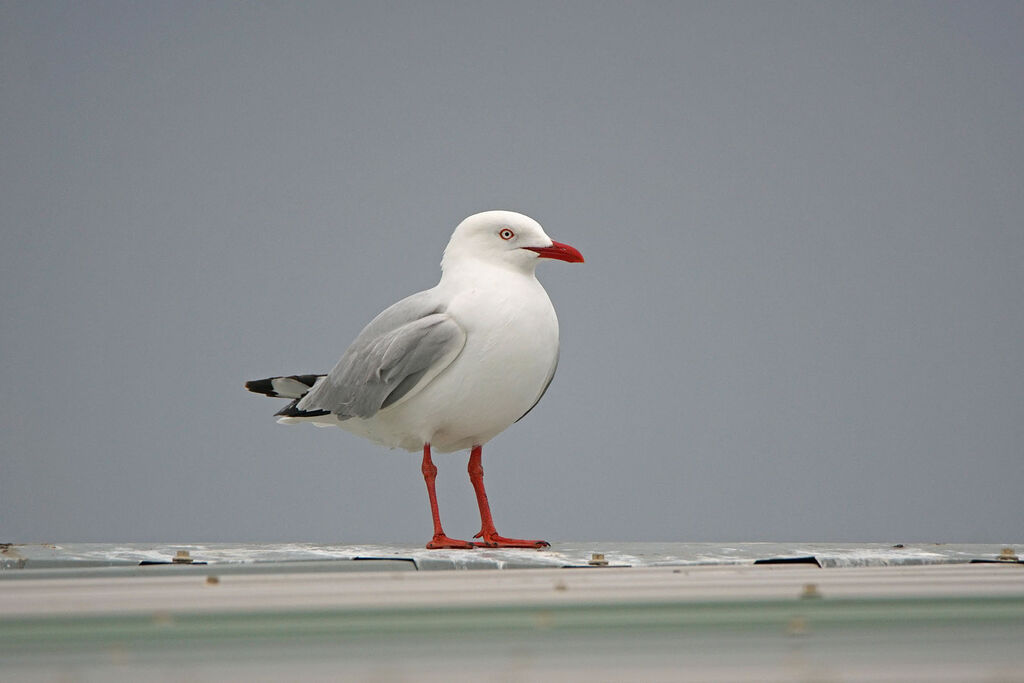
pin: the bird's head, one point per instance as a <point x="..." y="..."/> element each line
<point x="505" y="238"/>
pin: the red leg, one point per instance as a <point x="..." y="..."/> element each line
<point x="440" y="540"/>
<point x="488" y="534"/>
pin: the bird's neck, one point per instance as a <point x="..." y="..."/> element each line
<point x="472" y="272"/>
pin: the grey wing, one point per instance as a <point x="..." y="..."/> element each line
<point x="551" y="376"/>
<point x="398" y="353"/>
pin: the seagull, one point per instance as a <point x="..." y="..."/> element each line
<point x="451" y="367"/>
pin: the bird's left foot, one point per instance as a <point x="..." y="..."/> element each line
<point x="493" y="540"/>
<point x="440" y="541"/>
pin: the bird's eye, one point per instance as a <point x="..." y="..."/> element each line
<point x="506" y="234"/>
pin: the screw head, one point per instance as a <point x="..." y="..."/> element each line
<point x="182" y="557"/>
<point x="810" y="590"/>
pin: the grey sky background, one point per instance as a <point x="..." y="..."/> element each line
<point x="800" y="318"/>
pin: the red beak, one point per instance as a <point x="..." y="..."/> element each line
<point x="559" y="251"/>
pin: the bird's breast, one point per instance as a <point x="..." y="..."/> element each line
<point x="511" y="349"/>
<point x="511" y="335"/>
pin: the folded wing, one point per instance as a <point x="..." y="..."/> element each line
<point x="394" y="357"/>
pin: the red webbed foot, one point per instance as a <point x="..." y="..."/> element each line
<point x="440" y="541"/>
<point x="493" y="540"/>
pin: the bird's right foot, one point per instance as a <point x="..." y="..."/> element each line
<point x="491" y="539"/>
<point x="442" y="542"/>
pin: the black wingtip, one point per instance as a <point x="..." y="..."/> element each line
<point x="292" y="410"/>
<point x="261" y="386"/>
<point x="266" y="386"/>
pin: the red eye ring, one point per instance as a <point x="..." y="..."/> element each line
<point x="506" y="234"/>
